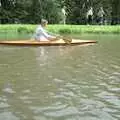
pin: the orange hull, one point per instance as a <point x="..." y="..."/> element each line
<point x="46" y="43"/>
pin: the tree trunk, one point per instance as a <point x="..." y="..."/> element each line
<point x="5" y="8"/>
<point x="115" y="12"/>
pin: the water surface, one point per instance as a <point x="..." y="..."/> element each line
<point x="61" y="83"/>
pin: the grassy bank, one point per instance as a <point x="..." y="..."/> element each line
<point x="62" y="29"/>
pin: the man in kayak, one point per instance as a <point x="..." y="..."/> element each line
<point x="41" y="34"/>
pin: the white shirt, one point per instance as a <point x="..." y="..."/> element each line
<point x="90" y="12"/>
<point x="41" y="34"/>
<point x="101" y="13"/>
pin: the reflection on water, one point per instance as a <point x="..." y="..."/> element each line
<point x="61" y="83"/>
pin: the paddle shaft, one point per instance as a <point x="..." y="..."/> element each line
<point x="66" y="39"/>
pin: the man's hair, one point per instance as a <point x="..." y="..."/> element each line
<point x="43" y="21"/>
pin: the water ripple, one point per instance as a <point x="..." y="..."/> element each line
<point x="51" y="83"/>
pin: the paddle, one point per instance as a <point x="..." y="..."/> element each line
<point x="67" y="40"/>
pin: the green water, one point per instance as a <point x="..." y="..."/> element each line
<point x="61" y="83"/>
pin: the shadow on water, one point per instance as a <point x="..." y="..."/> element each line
<point x="61" y="83"/>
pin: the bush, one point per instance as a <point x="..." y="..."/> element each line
<point x="65" y="31"/>
<point x="62" y="29"/>
<point x="22" y="30"/>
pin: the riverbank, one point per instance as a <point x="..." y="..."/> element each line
<point x="62" y="29"/>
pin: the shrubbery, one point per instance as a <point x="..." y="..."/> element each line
<point x="62" y="29"/>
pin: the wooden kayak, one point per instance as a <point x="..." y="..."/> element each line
<point x="46" y="43"/>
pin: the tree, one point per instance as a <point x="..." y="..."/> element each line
<point x="32" y="11"/>
<point x="77" y="10"/>
<point x="5" y="10"/>
<point x="29" y="11"/>
<point x="115" y="12"/>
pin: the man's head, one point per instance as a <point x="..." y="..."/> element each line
<point x="44" y="22"/>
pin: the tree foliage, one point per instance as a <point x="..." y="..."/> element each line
<point x="77" y="10"/>
<point x="32" y="11"/>
<point x="29" y="11"/>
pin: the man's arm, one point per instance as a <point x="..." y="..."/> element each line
<point x="48" y="36"/>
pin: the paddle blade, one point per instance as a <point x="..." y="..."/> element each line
<point x="67" y="40"/>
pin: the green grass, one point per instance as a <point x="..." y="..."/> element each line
<point x="62" y="29"/>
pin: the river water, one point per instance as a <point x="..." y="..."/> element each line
<point x="61" y="83"/>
